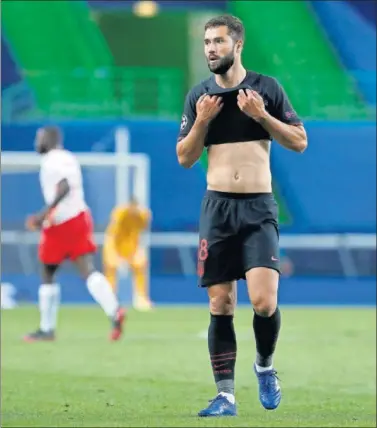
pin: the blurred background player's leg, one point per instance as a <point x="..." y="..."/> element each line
<point x="139" y="266"/>
<point x="49" y="299"/>
<point x="114" y="258"/>
<point x="110" y="263"/>
<point x="102" y="292"/>
<point x="51" y="255"/>
<point x="111" y="274"/>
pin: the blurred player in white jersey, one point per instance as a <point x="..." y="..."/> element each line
<point x="66" y="233"/>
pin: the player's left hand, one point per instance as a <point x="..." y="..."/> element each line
<point x="251" y="103"/>
<point x="35" y="221"/>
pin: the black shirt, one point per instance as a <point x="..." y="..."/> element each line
<point x="231" y="125"/>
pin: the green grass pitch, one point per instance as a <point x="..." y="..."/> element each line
<point x="159" y="375"/>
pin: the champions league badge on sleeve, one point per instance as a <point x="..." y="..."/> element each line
<point x="183" y="122"/>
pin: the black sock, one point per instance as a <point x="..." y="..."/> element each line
<point x="266" y="331"/>
<point x="222" y="350"/>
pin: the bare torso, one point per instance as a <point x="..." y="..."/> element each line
<point x="240" y="167"/>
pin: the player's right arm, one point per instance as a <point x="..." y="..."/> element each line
<point x="62" y="190"/>
<point x="54" y="174"/>
<point x="195" y="120"/>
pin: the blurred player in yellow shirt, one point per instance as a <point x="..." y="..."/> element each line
<point x="122" y="245"/>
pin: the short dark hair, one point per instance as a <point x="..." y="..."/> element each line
<point x="52" y="135"/>
<point x="235" y="26"/>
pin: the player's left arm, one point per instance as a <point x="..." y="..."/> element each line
<point x="283" y="124"/>
<point x="146" y="216"/>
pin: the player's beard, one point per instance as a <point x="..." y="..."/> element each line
<point x="223" y="64"/>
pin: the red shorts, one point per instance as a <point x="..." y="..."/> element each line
<point x="68" y="240"/>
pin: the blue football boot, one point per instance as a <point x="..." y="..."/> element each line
<point x="269" y="389"/>
<point x="219" y="406"/>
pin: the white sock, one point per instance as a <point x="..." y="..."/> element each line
<point x="49" y="299"/>
<point x="262" y="369"/>
<point x="229" y="397"/>
<point x="101" y="291"/>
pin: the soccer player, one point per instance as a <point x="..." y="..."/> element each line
<point x="235" y="114"/>
<point x="66" y="233"/>
<point x="122" y="245"/>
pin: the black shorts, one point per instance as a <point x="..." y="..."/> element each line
<point x="237" y="232"/>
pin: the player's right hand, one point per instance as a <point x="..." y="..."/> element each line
<point x="35" y="221"/>
<point x="208" y="107"/>
<point x="31" y="223"/>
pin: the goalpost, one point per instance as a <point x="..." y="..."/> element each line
<point x="109" y="180"/>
